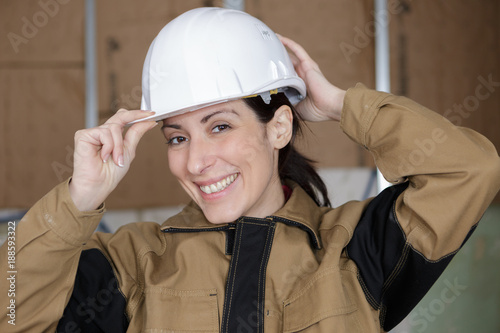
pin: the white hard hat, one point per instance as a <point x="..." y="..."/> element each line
<point x="212" y="55"/>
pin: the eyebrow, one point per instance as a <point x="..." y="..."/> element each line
<point x="207" y="117"/>
<point x="174" y="126"/>
<point x="204" y="119"/>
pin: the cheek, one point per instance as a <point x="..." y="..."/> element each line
<point x="176" y="163"/>
<point x="252" y="153"/>
<point x="251" y="148"/>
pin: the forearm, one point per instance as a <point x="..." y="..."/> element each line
<point x="48" y="244"/>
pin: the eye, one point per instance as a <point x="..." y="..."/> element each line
<point x="220" y="128"/>
<point x="176" y="140"/>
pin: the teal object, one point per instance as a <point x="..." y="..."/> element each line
<point x="466" y="298"/>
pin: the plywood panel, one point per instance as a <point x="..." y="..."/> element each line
<point x="45" y="32"/>
<point x="41" y="95"/>
<point x="446" y="56"/>
<point x="41" y="110"/>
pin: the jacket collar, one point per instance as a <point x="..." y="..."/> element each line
<point x="300" y="210"/>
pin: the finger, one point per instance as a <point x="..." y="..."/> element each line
<point x="99" y="138"/>
<point x="123" y="116"/>
<point x="134" y="135"/>
<point x="295" y="47"/>
<point x="286" y="42"/>
<point x="116" y="131"/>
<point x="294" y="59"/>
<point x="116" y="124"/>
<point x="297" y="50"/>
<point x="107" y="143"/>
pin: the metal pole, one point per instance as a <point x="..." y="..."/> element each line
<point x="91" y="112"/>
<point x="382" y="56"/>
<point x="235" y="4"/>
<point x="382" y="62"/>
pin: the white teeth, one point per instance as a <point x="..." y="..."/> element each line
<point x="220" y="185"/>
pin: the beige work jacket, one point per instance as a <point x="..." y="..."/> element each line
<point x="360" y="267"/>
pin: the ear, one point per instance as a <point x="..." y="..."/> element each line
<point x="280" y="128"/>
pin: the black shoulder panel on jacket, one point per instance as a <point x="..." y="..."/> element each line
<point x="96" y="304"/>
<point x="394" y="276"/>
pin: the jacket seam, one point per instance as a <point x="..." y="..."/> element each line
<point x="259" y="281"/>
<point x="368" y="118"/>
<point x="227" y="305"/>
<point x="310" y="283"/>
<point x="269" y="242"/>
<point x="67" y="238"/>
<point x="402" y="259"/>
<point x="325" y="313"/>
<point x="369" y="297"/>
<point x="350" y="234"/>
<point x="373" y="302"/>
<point x="254" y="223"/>
<point x="176" y="230"/>
<point x="315" y="238"/>
<point x="117" y="283"/>
<point x="397" y="269"/>
<point x="139" y="282"/>
<point x="445" y="256"/>
<point x="382" y="315"/>
<point x="182" y="293"/>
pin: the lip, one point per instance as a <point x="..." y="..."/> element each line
<point x="217" y="195"/>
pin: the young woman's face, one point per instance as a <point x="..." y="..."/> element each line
<point x="227" y="160"/>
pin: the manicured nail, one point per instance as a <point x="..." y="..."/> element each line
<point x="105" y="159"/>
<point x="120" y="161"/>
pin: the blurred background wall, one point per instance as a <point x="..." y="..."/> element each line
<point x="444" y="54"/>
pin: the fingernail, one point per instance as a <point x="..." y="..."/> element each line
<point x="120" y="161"/>
<point x="105" y="159"/>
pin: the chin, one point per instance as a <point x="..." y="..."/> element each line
<point x="220" y="219"/>
<point x="220" y="216"/>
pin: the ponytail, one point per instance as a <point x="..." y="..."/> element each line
<point x="291" y="164"/>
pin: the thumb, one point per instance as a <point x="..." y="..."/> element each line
<point x="134" y="135"/>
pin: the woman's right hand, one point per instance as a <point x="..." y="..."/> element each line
<point x="103" y="155"/>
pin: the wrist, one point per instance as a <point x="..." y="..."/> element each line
<point x="338" y="96"/>
<point x="82" y="200"/>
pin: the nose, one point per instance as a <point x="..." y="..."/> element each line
<point x="201" y="155"/>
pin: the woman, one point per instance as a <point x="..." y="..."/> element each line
<point x="258" y="249"/>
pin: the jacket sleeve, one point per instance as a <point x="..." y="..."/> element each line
<point x="445" y="178"/>
<point x="108" y="285"/>
<point x="48" y="245"/>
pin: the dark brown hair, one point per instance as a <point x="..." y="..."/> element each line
<point x="291" y="164"/>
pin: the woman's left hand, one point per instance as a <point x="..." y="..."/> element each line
<point x="324" y="101"/>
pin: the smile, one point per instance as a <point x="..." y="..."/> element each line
<point x="220" y="185"/>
